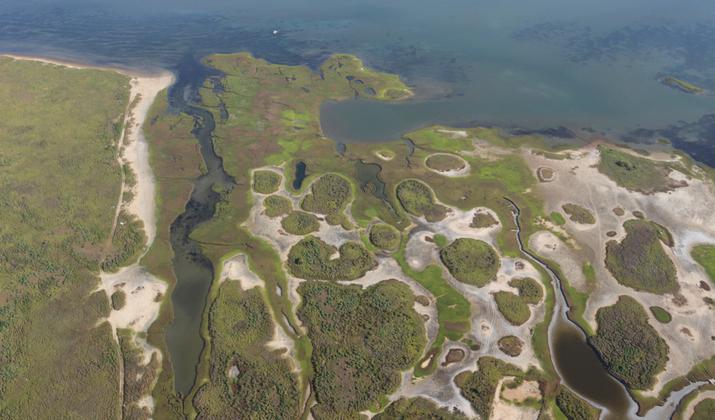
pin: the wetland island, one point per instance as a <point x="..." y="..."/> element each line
<point x="213" y="255"/>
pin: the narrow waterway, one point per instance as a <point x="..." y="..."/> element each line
<point x="575" y="360"/>
<point x="193" y="271"/>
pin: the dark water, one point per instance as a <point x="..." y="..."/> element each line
<point x="194" y="272"/>
<point x="300" y="174"/>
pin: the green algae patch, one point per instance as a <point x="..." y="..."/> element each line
<point x="266" y="182"/>
<point x="385" y="237"/>
<point x="629" y="346"/>
<point x="362" y="339"/>
<point x="417" y="198"/>
<point x="313" y="259"/>
<point x="471" y="261"/>
<point x="639" y="261"/>
<point x="579" y="214"/>
<point x="276" y="205"/>
<point x="705" y="256"/>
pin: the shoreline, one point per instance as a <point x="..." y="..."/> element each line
<point x="79" y="65"/>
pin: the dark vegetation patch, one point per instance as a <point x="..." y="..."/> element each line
<point x="277" y="205"/>
<point x="618" y="211"/>
<point x="266" y="182"/>
<point x="60" y="183"/>
<point x="639" y="261"/>
<point x="630" y="347"/>
<point x="422" y="300"/>
<point x="704" y="410"/>
<point x="482" y="220"/>
<point x="638" y="214"/>
<point x="513" y="307"/>
<point x="300" y="223"/>
<point x="510" y="345"/>
<point x="361" y="339"/>
<point x="575" y="407"/>
<point x="385" y="236"/>
<point x="127" y="243"/>
<point x="579" y="214"/>
<point x="635" y="173"/>
<point x="660" y="314"/>
<point x="311" y="259"/>
<point x="479" y="387"/>
<point x="471" y="261"/>
<point x="138" y="377"/>
<point x="443" y="162"/>
<point x="119" y="299"/>
<point x="246" y="380"/>
<point x="453" y="356"/>
<point x="705" y="256"/>
<point x="418" y="408"/>
<point x="328" y="195"/>
<point x="418" y="199"/>
<point x="611" y="233"/>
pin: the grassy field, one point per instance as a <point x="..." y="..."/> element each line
<point x="639" y="261"/>
<point x="60" y="182"/>
<point x="471" y="261"/>
<point x="361" y="340"/>
<point x="705" y="256"/>
<point x="630" y="347"/>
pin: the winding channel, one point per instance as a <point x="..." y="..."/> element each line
<point x="193" y="271"/>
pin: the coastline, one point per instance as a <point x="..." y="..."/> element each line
<point x="143" y="292"/>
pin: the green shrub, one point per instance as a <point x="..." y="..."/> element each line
<point x="529" y="289"/>
<point x="311" y="258"/>
<point x="513" y="307"/>
<point x="479" y="387"/>
<point x="639" y="261"/>
<point x="510" y="345"/>
<point x="119" y="299"/>
<point x="266" y="182"/>
<point x="361" y="339"/>
<point x="578" y="214"/>
<point x="705" y="256"/>
<point x="328" y="195"/>
<point x="630" y="347"/>
<point x="417" y="199"/>
<point x="417" y="408"/>
<point x="300" y="223"/>
<point x="660" y="314"/>
<point x="574" y="407"/>
<point x="471" y="261"/>
<point x="385" y="236"/>
<point x="276" y="205"/>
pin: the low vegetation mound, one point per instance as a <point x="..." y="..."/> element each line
<point x="575" y="407"/>
<point x="245" y="380"/>
<point x="328" y="195"/>
<point x="480" y="387"/>
<point x="471" y="261"/>
<point x="385" y="236"/>
<point x="300" y="223"/>
<point x="704" y="410"/>
<point x="630" y="347"/>
<point x="483" y="220"/>
<point x="313" y="259"/>
<point x="510" y="345"/>
<point x="362" y="339"/>
<point x="635" y="173"/>
<point x="639" y="261"/>
<point x="276" y="205"/>
<point x="579" y="214"/>
<point x="418" y="408"/>
<point x="418" y="199"/>
<point x="513" y="307"/>
<point x="705" y="256"/>
<point x="660" y="314"/>
<point x="444" y="162"/>
<point x="266" y="182"/>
